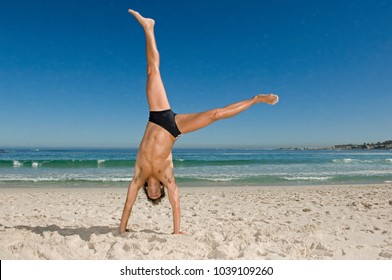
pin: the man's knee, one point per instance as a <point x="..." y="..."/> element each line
<point x="153" y="69"/>
<point x="217" y="114"/>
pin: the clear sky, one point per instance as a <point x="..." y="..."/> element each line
<point x="72" y="73"/>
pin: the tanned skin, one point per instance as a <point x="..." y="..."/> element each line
<point x="154" y="162"/>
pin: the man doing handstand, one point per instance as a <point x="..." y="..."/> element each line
<point x="154" y="163"/>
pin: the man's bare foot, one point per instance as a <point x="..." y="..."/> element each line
<point x="271" y="99"/>
<point x="121" y="231"/>
<point x="181" y="232"/>
<point x="144" y="22"/>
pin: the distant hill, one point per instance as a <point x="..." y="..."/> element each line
<point x="386" y="145"/>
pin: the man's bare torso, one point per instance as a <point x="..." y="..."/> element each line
<point x="154" y="158"/>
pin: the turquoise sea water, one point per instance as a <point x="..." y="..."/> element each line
<point x="195" y="167"/>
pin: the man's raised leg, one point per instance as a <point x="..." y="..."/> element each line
<point x="156" y="94"/>
<point x="191" y="122"/>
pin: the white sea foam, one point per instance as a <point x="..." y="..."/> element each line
<point x="63" y="179"/>
<point x="349" y="160"/>
<point x="35" y="164"/>
<point x="30" y="179"/>
<point x="16" y="163"/>
<point x="304" y="178"/>
<point x="343" y="160"/>
<point x="104" y="179"/>
<point x="220" y="179"/>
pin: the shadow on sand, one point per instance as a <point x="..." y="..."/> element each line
<point x="84" y="233"/>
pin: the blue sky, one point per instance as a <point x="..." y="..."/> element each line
<point x="72" y="73"/>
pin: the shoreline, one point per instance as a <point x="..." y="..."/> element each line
<point x="187" y="186"/>
<point x="265" y="222"/>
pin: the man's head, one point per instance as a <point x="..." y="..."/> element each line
<point x="154" y="191"/>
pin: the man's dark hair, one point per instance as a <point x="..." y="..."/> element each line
<point x="157" y="200"/>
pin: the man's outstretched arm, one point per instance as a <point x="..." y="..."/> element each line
<point x="133" y="189"/>
<point x="175" y="204"/>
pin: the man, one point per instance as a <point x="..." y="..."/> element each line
<point x="154" y="164"/>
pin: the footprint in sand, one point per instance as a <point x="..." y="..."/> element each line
<point x="157" y="239"/>
<point x="385" y="255"/>
<point x="216" y="254"/>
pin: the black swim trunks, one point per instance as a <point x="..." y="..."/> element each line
<point x="165" y="119"/>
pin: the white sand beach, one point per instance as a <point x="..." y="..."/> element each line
<point x="309" y="222"/>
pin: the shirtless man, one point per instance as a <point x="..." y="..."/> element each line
<point x="154" y="164"/>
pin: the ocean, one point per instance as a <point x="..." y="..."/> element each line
<point x="195" y="167"/>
